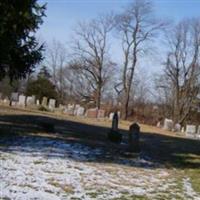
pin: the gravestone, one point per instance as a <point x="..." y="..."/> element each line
<point x="37" y="102"/>
<point x="111" y="116"/>
<point x="22" y="100"/>
<point x="13" y="103"/>
<point x="92" y="113"/>
<point x="190" y="129"/>
<point x="114" y="135"/>
<point x="80" y="111"/>
<point x="119" y="114"/>
<point x="134" y="137"/>
<point x="115" y="122"/>
<point x="101" y="113"/>
<point x="14" y="96"/>
<point x="158" y="124"/>
<point x="44" y="101"/>
<point x="69" y="110"/>
<point x="168" y="124"/>
<point x="52" y="104"/>
<point x="33" y="99"/>
<point x="198" y="132"/>
<point x="76" y="108"/>
<point x="1" y="96"/>
<point x="29" y="101"/>
<point x="177" y="127"/>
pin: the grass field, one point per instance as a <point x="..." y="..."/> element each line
<point x="53" y="156"/>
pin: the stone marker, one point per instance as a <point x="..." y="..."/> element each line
<point x="80" y="111"/>
<point x="115" y="122"/>
<point x="177" y="127"/>
<point x="44" y="101"/>
<point x="92" y="113"/>
<point x="158" y="124"/>
<point x="76" y="108"/>
<point x="101" y="113"/>
<point x="183" y="130"/>
<point x="190" y="129"/>
<point x="1" y="96"/>
<point x="113" y="134"/>
<point x="70" y="109"/>
<point x="22" y="100"/>
<point x="198" y="132"/>
<point x="52" y="104"/>
<point x="111" y="116"/>
<point x="33" y="99"/>
<point x="134" y="137"/>
<point x="119" y="114"/>
<point x="168" y="124"/>
<point x="13" y="103"/>
<point x="29" y="101"/>
<point x="14" y="96"/>
<point x="37" y="102"/>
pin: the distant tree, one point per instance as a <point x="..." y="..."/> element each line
<point x="137" y="27"/>
<point x="91" y="59"/>
<point x="42" y="86"/>
<point x="56" y="60"/>
<point x="44" y="73"/>
<point x="180" y="80"/>
<point x="20" y="51"/>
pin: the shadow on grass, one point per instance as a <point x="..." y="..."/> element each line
<point x="31" y="133"/>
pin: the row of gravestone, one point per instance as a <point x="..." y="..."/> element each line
<point x="189" y="129"/>
<point x="22" y="100"/>
<point x="77" y="110"/>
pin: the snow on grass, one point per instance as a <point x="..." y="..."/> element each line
<point x="189" y="192"/>
<point x="41" y="168"/>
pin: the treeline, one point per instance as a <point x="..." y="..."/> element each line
<point x="86" y="72"/>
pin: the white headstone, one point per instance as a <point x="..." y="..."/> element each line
<point x="29" y="100"/>
<point x="52" y="103"/>
<point x="14" y="96"/>
<point x="198" y="131"/>
<point x="70" y="109"/>
<point x="190" y="129"/>
<point x="168" y="124"/>
<point x="22" y="100"/>
<point x="111" y="116"/>
<point x="44" y="101"/>
<point x="37" y="102"/>
<point x="158" y="124"/>
<point x="177" y="127"/>
<point x="119" y="114"/>
<point x="80" y="111"/>
<point x="76" y="108"/>
<point x="33" y="99"/>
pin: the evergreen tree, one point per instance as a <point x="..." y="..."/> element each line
<point x="20" y="51"/>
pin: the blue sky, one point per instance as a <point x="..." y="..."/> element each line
<point x="62" y="15"/>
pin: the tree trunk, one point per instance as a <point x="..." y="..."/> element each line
<point x="125" y="106"/>
<point x="98" y="97"/>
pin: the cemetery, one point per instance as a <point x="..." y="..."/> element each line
<point x="99" y="100"/>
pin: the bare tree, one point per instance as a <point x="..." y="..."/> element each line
<point x="92" y="60"/>
<point x="137" y="27"/>
<point x="182" y="68"/>
<point x="56" y="61"/>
